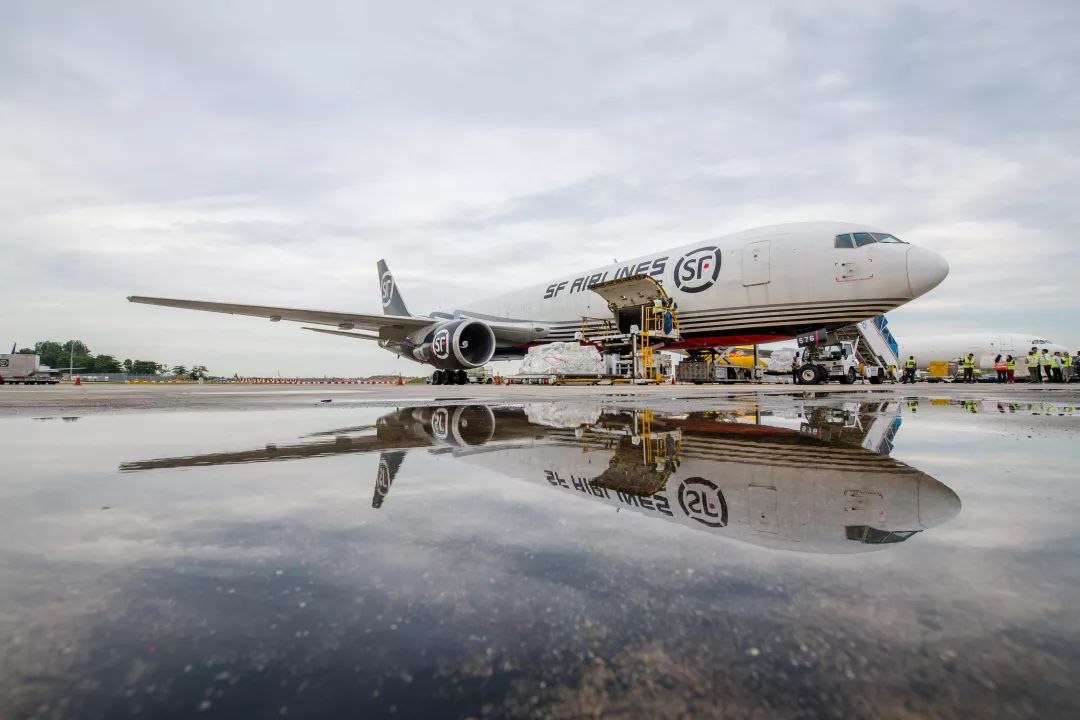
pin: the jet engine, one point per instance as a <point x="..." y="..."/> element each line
<point x="457" y="345"/>
<point x="459" y="425"/>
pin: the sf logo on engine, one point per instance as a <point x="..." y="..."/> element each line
<point x="440" y="344"/>
<point x="698" y="269"/>
<point x="440" y="423"/>
<point x="702" y="501"/>
<point x="386" y="282"/>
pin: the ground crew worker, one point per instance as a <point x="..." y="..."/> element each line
<point x="1066" y="366"/>
<point x="969" y="368"/>
<point x="1044" y="360"/>
<point x="1010" y="369"/>
<point x="1055" y="366"/>
<point x="795" y="368"/>
<point x="909" y="369"/>
<point x="999" y="367"/>
<point x="1033" y="366"/>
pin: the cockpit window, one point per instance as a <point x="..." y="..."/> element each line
<point x="864" y="239"/>
<point x="887" y="238"/>
<point x="844" y="241"/>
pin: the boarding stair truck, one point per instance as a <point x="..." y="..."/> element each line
<point x="864" y="351"/>
<point x="24" y="369"/>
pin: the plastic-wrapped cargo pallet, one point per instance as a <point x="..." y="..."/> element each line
<point x="562" y="358"/>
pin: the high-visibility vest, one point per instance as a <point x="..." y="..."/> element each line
<point x="1066" y="360"/>
<point x="910" y="363"/>
<point x="1010" y="364"/>
<point x="969" y="362"/>
<point x="1000" y="365"/>
<point x="1033" y="360"/>
<point x="1055" y="361"/>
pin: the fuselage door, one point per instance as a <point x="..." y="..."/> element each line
<point x="755" y="266"/>
<point x="764" y="510"/>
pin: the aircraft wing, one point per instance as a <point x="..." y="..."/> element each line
<point x="344" y="321"/>
<point x="343" y="333"/>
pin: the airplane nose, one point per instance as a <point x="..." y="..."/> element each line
<point x="937" y="503"/>
<point x="925" y="270"/>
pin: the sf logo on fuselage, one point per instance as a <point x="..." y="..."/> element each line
<point x="386" y="283"/>
<point x="440" y="344"/>
<point x="698" y="269"/>
<point x="702" y="501"/>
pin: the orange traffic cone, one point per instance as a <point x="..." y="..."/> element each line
<point x="78" y="380"/>
<point x="400" y="381"/>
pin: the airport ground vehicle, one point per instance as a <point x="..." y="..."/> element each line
<point x="24" y="369"/>
<point x="714" y="367"/>
<point x="864" y="351"/>
<point x="480" y="375"/>
<point x="837" y="361"/>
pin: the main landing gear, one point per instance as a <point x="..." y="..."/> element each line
<point x="449" y="377"/>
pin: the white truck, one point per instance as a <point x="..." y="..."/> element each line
<point x="24" y="370"/>
<point x="837" y="361"/>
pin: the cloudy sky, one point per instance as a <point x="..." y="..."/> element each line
<point x="271" y="153"/>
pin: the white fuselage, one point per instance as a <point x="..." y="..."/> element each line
<point x="762" y="490"/>
<point x="749" y="287"/>
<point x="985" y="346"/>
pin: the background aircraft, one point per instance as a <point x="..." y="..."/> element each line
<point x="985" y="346"/>
<point x="755" y="286"/>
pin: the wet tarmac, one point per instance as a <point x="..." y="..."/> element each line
<point x="675" y="553"/>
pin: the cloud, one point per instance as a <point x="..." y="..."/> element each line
<point x="232" y="153"/>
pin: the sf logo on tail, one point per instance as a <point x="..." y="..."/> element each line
<point x="387" y="285"/>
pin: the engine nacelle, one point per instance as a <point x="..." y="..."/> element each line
<point x="458" y="345"/>
<point x="459" y="425"/>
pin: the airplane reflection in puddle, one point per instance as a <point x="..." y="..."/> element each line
<point x="806" y="483"/>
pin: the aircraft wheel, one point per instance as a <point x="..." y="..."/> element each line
<point x="462" y="378"/>
<point x="437" y="377"/>
<point x="809" y="375"/>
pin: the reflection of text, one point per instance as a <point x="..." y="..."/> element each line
<point x="656" y="503"/>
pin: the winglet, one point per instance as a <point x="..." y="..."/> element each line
<point x="392" y="302"/>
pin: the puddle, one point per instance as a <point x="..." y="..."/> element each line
<point x="779" y="557"/>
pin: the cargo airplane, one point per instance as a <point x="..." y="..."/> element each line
<point x="756" y="286"/>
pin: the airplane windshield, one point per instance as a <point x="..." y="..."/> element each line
<point x="852" y="240"/>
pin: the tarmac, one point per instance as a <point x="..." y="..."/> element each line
<point x="665" y="551"/>
<point x="21" y="400"/>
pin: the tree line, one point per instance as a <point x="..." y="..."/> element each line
<point x="61" y="356"/>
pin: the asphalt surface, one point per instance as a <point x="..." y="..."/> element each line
<point x="22" y="400"/>
<point x="416" y="551"/>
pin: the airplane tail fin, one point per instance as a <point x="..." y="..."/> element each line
<point x="392" y="302"/>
